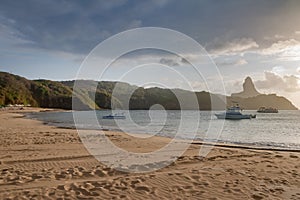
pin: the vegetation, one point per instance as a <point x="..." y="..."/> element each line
<point x="15" y="90"/>
<point x="44" y="93"/>
<point x="111" y="95"/>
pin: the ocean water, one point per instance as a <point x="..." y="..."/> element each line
<point x="273" y="130"/>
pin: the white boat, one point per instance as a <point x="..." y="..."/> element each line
<point x="115" y="116"/>
<point x="234" y="112"/>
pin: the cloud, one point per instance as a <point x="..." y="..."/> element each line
<point x="10" y="34"/>
<point x="241" y="62"/>
<point x="274" y="37"/>
<point x="77" y="26"/>
<point x="280" y="46"/>
<point x="284" y="49"/>
<point x="134" y="24"/>
<point x="169" y="62"/>
<point x="71" y="26"/>
<point x="185" y="61"/>
<point x="279" y="36"/>
<point x="273" y="81"/>
<point x="231" y="61"/>
<point x="160" y="3"/>
<point x="174" y="61"/>
<point x="238" y="45"/>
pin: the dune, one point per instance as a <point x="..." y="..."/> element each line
<point x="38" y="161"/>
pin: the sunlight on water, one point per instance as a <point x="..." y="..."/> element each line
<point x="281" y="130"/>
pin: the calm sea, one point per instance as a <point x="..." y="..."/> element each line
<point x="278" y="130"/>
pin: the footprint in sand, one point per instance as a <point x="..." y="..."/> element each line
<point x="278" y="156"/>
<point x="293" y="156"/>
<point x="143" y="188"/>
<point x="257" y="197"/>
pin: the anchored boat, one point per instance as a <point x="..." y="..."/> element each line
<point x="115" y="116"/>
<point x="234" y="112"/>
<point x="267" y="110"/>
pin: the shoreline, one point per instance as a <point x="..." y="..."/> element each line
<point x="219" y="143"/>
<point x="38" y="161"/>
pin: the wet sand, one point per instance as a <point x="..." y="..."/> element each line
<point x="43" y="162"/>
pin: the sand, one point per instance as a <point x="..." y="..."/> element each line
<point x="38" y="161"/>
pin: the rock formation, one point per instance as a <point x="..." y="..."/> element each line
<point x="249" y="90"/>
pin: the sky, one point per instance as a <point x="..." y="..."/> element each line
<point x="50" y="39"/>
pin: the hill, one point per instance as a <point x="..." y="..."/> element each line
<point x="106" y="95"/>
<point x="42" y="93"/>
<point x="263" y="100"/>
<point x="52" y="94"/>
<point x="251" y="99"/>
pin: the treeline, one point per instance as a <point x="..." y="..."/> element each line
<point x="103" y="95"/>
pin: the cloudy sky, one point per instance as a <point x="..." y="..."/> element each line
<point x="258" y="38"/>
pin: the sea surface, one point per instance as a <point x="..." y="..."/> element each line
<point x="273" y="130"/>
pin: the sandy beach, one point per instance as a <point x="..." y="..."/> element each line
<point x="38" y="161"/>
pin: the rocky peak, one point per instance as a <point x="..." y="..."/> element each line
<point x="249" y="89"/>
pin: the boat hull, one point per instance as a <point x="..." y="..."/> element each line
<point x="233" y="117"/>
<point x="113" y="117"/>
<point x="267" y="111"/>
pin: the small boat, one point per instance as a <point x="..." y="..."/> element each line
<point x="267" y="110"/>
<point x="115" y="116"/>
<point x="234" y="112"/>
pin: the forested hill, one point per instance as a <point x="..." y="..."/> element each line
<point x="52" y="94"/>
<point x="43" y="93"/>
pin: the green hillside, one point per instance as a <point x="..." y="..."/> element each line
<point x="15" y="90"/>
<point x="43" y="93"/>
<point x="102" y="95"/>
